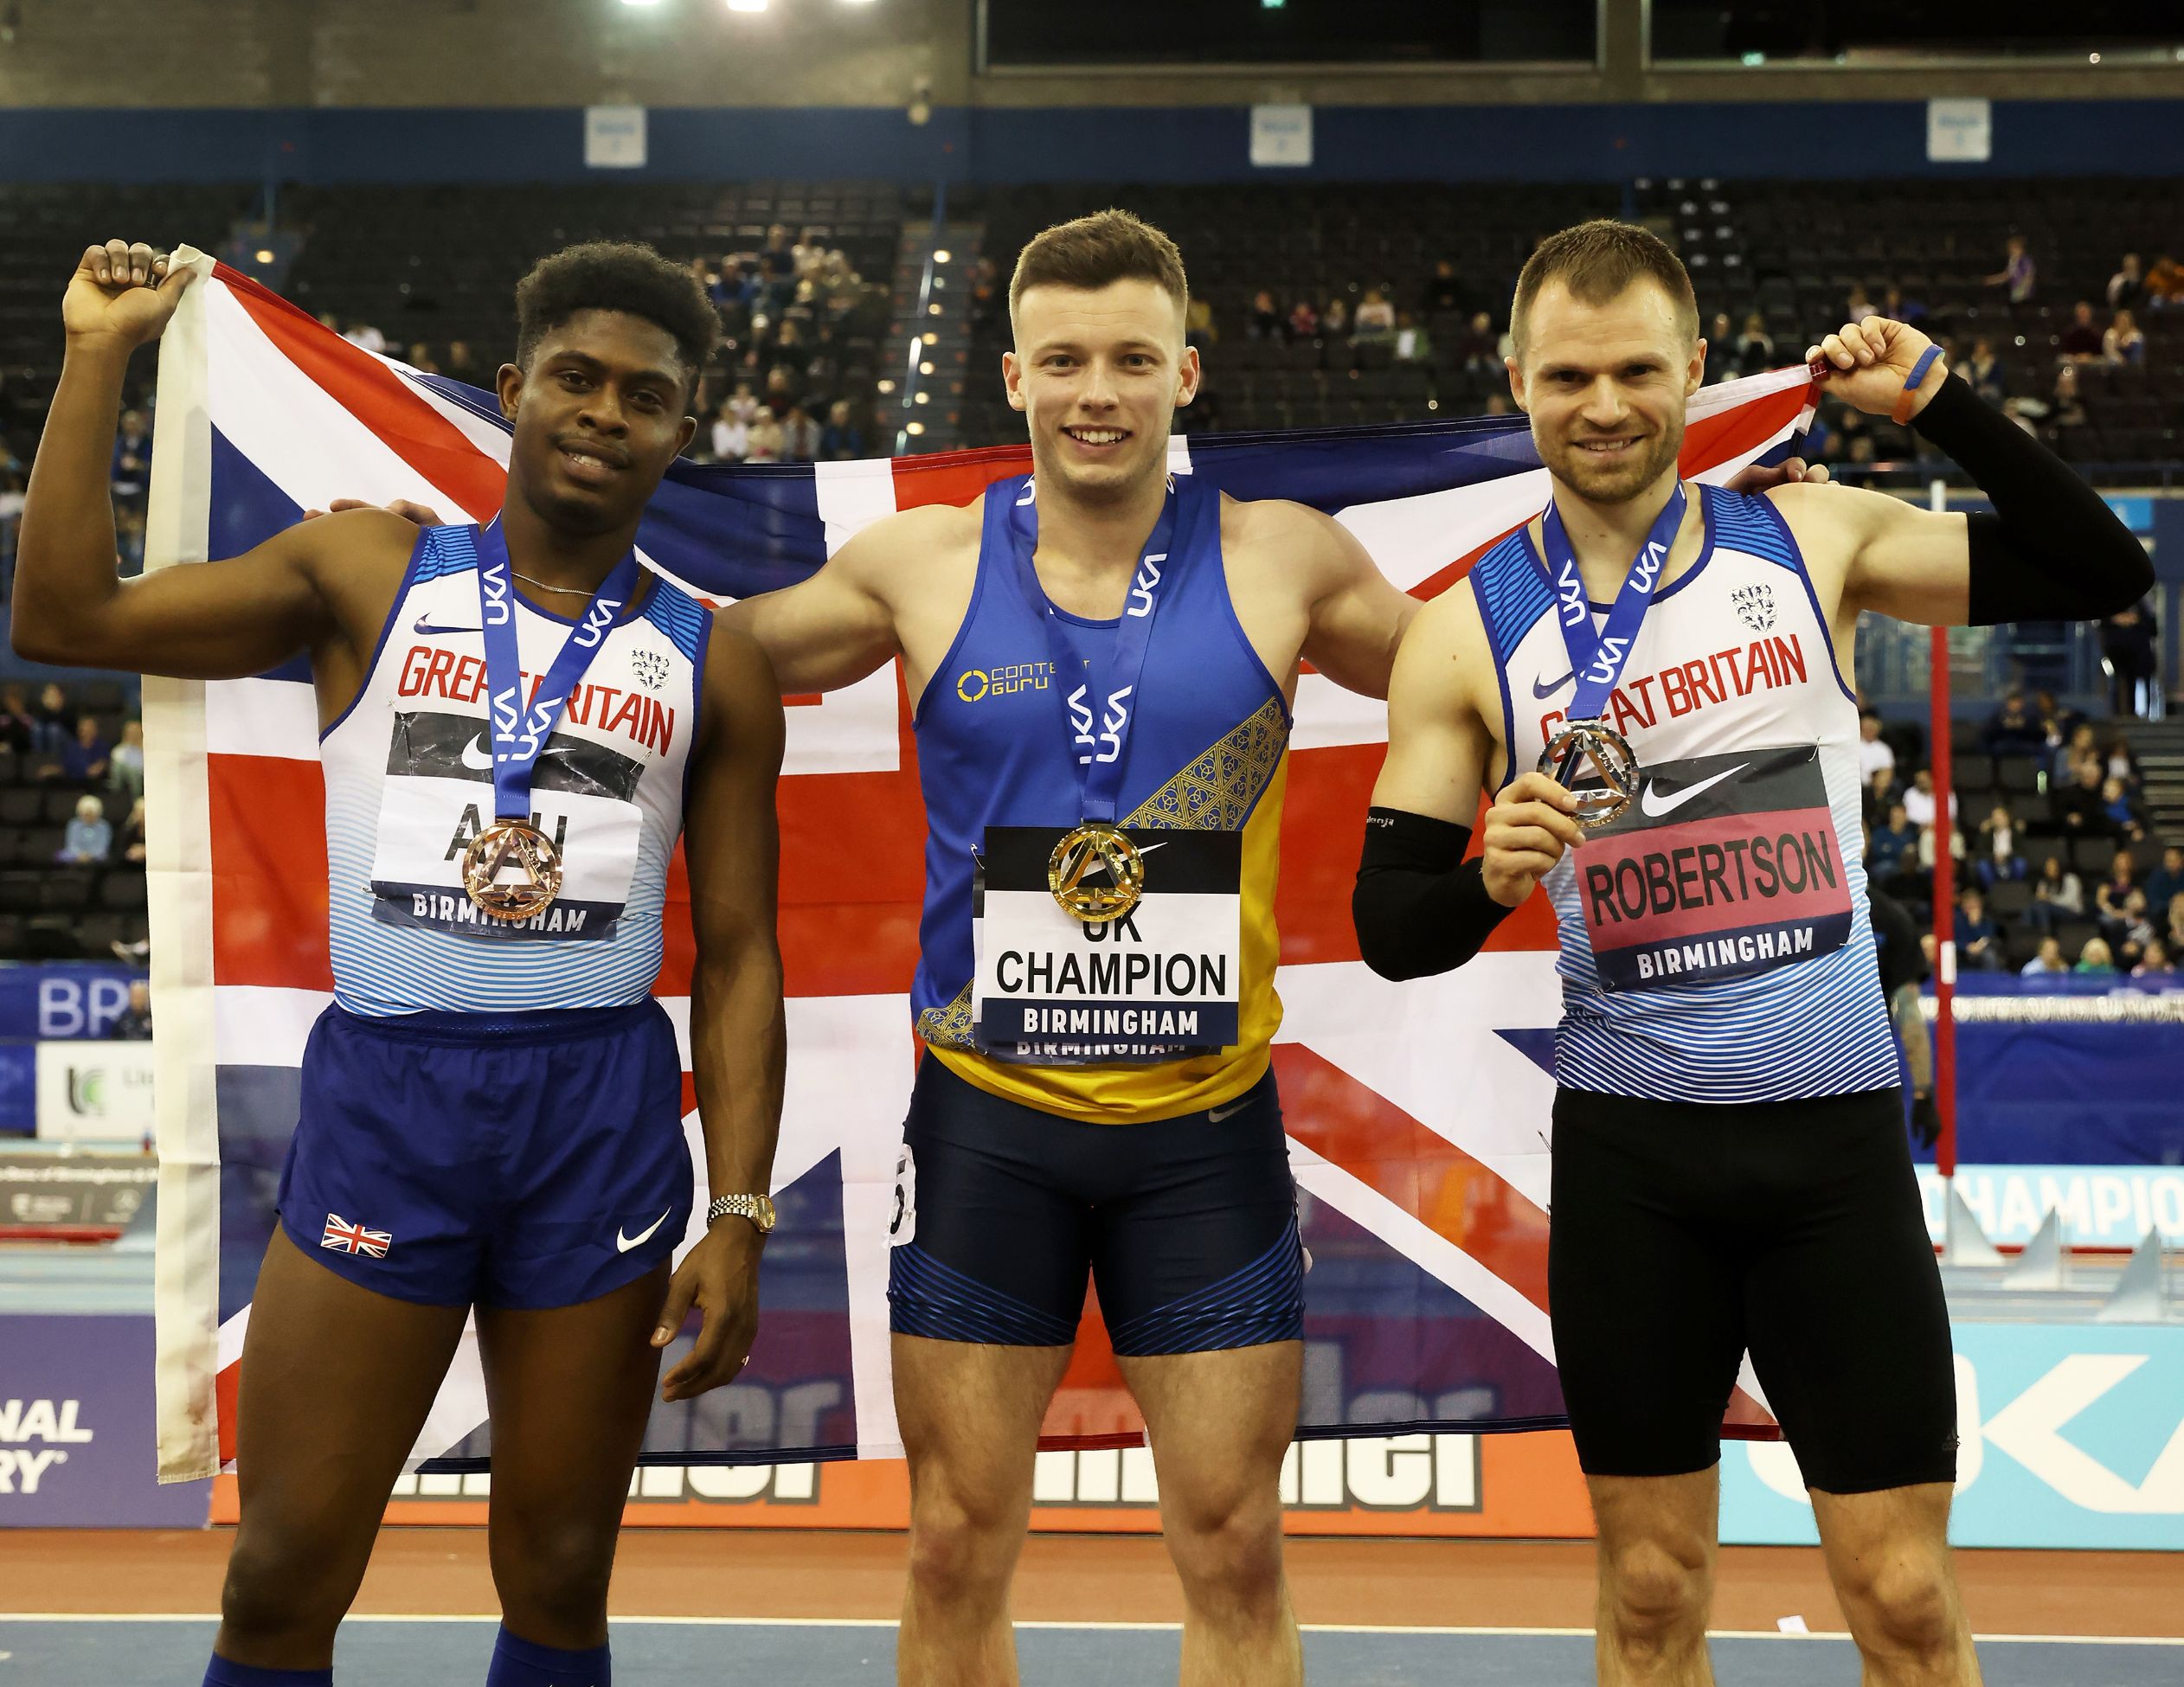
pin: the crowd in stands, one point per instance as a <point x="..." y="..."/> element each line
<point x="2043" y="808"/>
<point x="72" y="823"/>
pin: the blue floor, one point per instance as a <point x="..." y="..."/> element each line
<point x="155" y="1654"/>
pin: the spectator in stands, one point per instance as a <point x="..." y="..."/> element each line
<point x="2018" y="273"/>
<point x="800" y="436"/>
<point x="89" y="837"/>
<point x="2067" y="407"/>
<point x="125" y="767"/>
<point x="2048" y="961"/>
<point x="2095" y="957"/>
<point x="2175" y="939"/>
<point x="1858" y="305"/>
<point x="1895" y="846"/>
<point x="18" y="728"/>
<point x="1476" y="354"/>
<point x="1197" y="322"/>
<point x="363" y="334"/>
<point x="128" y="842"/>
<point x="2154" y="963"/>
<point x="2124" y="341"/>
<point x="1874" y="753"/>
<point x="1413" y="343"/>
<point x="1376" y="319"/>
<point x="1921" y="803"/>
<point x="2118" y="763"/>
<point x="1928" y="851"/>
<point x="1334" y="321"/>
<point x="843" y="440"/>
<point x="461" y="364"/>
<point x="2127" y="643"/>
<point x="1304" y="321"/>
<point x="2058" y="721"/>
<point x="1896" y="308"/>
<point x="2127" y="286"/>
<point x="2166" y="882"/>
<point x="2121" y="809"/>
<point x="2013" y="729"/>
<point x="1997" y="860"/>
<point x="1265" y="320"/>
<point x="2081" y="340"/>
<point x="743" y="403"/>
<point x="1985" y="372"/>
<point x="133" y="1022"/>
<point x="1979" y="944"/>
<point x="1755" y="346"/>
<point x="85" y="757"/>
<point x="2112" y="895"/>
<point x="2057" y="894"/>
<point x="52" y="719"/>
<point x="1878" y="795"/>
<point x="420" y="358"/>
<point x="2078" y="805"/>
<point x="765" y="440"/>
<point x="2164" y="283"/>
<point x="1443" y="292"/>
<point x="2080" y="745"/>
<point x="731" y="435"/>
<point x="131" y="478"/>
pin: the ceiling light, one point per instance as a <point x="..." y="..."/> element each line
<point x="915" y="427"/>
<point x="747" y="5"/>
<point x="941" y="257"/>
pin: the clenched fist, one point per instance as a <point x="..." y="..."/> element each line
<point x="1868" y="362"/>
<point x="1527" y="828"/>
<point x="121" y="294"/>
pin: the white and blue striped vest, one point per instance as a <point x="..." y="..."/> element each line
<point x="409" y="773"/>
<point x="1716" y="945"/>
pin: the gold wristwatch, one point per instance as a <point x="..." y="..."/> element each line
<point x="759" y="1209"/>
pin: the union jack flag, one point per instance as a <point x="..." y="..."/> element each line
<point x="346" y="1238"/>
<point x="1416" y="1113"/>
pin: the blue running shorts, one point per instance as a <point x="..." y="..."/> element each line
<point x="526" y="1160"/>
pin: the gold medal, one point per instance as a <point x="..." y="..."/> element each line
<point x="1096" y="874"/>
<point x="1616" y="777"/>
<point x="517" y="846"/>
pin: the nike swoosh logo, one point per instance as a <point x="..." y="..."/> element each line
<point x="476" y="757"/>
<point x="1544" y="692"/>
<point x="623" y="1244"/>
<point x="1655" y="804"/>
<point x="427" y="629"/>
<point x="1219" y="1114"/>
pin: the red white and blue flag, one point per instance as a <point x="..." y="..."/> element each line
<point x="1417" y="1113"/>
<point x="346" y="1238"/>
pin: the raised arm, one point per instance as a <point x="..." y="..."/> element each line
<point x="2052" y="549"/>
<point x="738" y="1030"/>
<point x="208" y="621"/>
<point x="1419" y="907"/>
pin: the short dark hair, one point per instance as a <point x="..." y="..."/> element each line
<point x="617" y="275"/>
<point x="1096" y="251"/>
<point x="1597" y="260"/>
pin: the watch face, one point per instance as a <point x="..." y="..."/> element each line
<point x="765" y="1215"/>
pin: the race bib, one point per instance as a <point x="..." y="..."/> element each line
<point x="1725" y="866"/>
<point x="438" y="796"/>
<point x="1158" y="983"/>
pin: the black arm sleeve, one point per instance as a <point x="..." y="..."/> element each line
<point x="2052" y="549"/>
<point x="1419" y="907"/>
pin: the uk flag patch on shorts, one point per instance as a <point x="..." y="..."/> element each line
<point x="346" y="1238"/>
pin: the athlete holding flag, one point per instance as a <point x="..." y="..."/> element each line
<point x="1730" y="1171"/>
<point x="491" y="1109"/>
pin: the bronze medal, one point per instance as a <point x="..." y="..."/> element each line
<point x="512" y="847"/>
<point x="1096" y="874"/>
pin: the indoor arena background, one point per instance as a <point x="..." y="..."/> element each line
<point x="1354" y="188"/>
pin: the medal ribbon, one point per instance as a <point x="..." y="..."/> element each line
<point x="1598" y="657"/>
<point x="520" y="732"/>
<point x="1114" y="681"/>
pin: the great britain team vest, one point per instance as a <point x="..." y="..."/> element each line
<point x="1715" y="940"/>
<point x="409" y="773"/>
<point x="999" y="729"/>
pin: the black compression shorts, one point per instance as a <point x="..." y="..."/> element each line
<point x="1683" y="1235"/>
<point x="1187" y="1226"/>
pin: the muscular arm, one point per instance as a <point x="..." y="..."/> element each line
<point x="1358" y="617"/>
<point x="738" y="1030"/>
<point x="1438" y="744"/>
<point x="209" y="620"/>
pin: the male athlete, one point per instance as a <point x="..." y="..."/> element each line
<point x="1730" y="1164"/>
<point x="491" y="1113"/>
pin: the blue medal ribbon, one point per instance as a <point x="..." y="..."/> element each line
<point x="520" y="731"/>
<point x="1113" y="681"/>
<point x="1598" y="657"/>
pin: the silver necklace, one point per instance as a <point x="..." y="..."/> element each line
<point x="565" y="591"/>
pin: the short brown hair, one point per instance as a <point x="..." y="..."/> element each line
<point x="1597" y="260"/>
<point x="1096" y="251"/>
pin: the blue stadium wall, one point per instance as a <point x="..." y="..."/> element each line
<point x="1832" y="140"/>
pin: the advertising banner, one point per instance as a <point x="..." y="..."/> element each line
<point x="45" y="1002"/>
<point x="2072" y="1435"/>
<point x="2101" y="1206"/>
<point x="42" y="1189"/>
<point x="76" y="1444"/>
<point x="94" y="1091"/>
